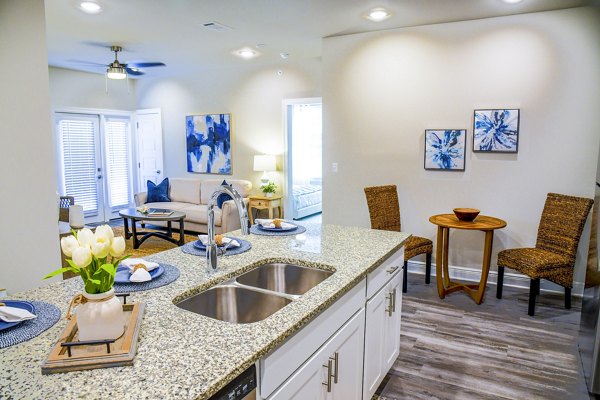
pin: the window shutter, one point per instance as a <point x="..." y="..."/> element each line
<point x="77" y="145"/>
<point x="117" y="161"/>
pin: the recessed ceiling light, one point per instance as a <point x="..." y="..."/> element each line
<point x="284" y="55"/>
<point x="378" y="14"/>
<point x="90" y="7"/>
<point x="246" y="53"/>
<point x="512" y="1"/>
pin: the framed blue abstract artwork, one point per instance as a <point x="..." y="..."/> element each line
<point x="445" y="149"/>
<point x="208" y="143"/>
<point x="496" y="131"/>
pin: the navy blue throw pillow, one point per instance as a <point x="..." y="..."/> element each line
<point x="223" y="197"/>
<point x="158" y="193"/>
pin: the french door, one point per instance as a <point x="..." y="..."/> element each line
<point x="94" y="159"/>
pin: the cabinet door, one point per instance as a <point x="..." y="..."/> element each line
<point x="348" y="344"/>
<point x="310" y="381"/>
<point x="307" y="382"/>
<point x="392" y="324"/>
<point x="374" y="342"/>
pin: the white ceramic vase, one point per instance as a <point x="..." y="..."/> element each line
<point x="100" y="316"/>
<point x="269" y="194"/>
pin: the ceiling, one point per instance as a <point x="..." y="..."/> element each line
<point x="172" y="31"/>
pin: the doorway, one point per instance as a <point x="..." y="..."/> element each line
<point x="304" y="158"/>
<point x="94" y="162"/>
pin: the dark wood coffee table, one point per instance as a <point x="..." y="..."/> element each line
<point x="140" y="236"/>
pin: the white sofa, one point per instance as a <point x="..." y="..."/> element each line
<point x="191" y="196"/>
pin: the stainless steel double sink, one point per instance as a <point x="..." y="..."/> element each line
<point x="256" y="294"/>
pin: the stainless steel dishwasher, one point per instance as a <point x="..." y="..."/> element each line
<point x="243" y="387"/>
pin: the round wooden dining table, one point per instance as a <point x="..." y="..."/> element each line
<point x="447" y="221"/>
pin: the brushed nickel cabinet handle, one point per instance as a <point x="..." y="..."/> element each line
<point x="328" y="383"/>
<point x="336" y="360"/>
<point x="392" y="270"/>
<point x="394" y="301"/>
<point x="389" y="308"/>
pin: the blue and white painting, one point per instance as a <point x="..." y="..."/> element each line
<point x="445" y="149"/>
<point x="208" y="143"/>
<point x="496" y="130"/>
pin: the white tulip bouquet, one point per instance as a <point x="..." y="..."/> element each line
<point x="95" y="257"/>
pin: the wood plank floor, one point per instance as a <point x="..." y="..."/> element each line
<point x="454" y="349"/>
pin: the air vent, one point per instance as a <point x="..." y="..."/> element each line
<point x="215" y="26"/>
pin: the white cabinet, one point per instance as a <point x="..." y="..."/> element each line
<point x="334" y="372"/>
<point x="382" y="333"/>
<point x="337" y="347"/>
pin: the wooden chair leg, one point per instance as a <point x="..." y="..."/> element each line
<point x="428" y="268"/>
<point x="533" y="290"/>
<point x="405" y="279"/>
<point x="568" y="298"/>
<point x="500" y="282"/>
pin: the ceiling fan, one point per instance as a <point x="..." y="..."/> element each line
<point x="119" y="70"/>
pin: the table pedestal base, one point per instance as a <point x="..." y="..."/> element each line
<point x="444" y="284"/>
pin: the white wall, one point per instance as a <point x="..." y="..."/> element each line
<point x="252" y="94"/>
<point x="70" y="88"/>
<point x="382" y="90"/>
<point x="29" y="234"/>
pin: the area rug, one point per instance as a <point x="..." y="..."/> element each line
<point x="151" y="245"/>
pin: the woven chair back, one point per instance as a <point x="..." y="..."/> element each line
<point x="64" y="204"/>
<point x="384" y="208"/>
<point x="561" y="224"/>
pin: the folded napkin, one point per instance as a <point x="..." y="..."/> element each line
<point x="234" y="243"/>
<point x="268" y="223"/>
<point x="14" y="314"/>
<point x="130" y="262"/>
<point x="141" y="274"/>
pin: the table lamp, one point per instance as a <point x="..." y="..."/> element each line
<point x="264" y="163"/>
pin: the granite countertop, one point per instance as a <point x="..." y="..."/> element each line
<point x="183" y="355"/>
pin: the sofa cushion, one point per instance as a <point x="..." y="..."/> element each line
<point x="223" y="197"/>
<point x="185" y="190"/>
<point x="198" y="213"/>
<point x="158" y="192"/>
<point x="208" y="187"/>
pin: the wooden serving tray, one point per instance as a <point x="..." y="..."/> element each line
<point x="122" y="351"/>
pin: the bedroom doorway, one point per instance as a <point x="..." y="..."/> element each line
<point x="304" y="166"/>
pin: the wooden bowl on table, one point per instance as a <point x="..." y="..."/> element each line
<point x="466" y="214"/>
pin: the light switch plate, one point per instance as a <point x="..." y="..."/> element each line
<point x="334" y="167"/>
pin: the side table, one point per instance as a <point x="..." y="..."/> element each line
<point x="444" y="223"/>
<point x="265" y="203"/>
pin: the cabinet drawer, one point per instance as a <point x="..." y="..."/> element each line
<point x="383" y="273"/>
<point x="259" y="203"/>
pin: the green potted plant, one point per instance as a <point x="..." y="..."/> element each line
<point x="268" y="189"/>
<point x="95" y="256"/>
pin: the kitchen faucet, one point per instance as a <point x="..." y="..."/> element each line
<point x="211" y="246"/>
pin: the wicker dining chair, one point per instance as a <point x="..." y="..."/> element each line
<point x="63" y="211"/>
<point x="553" y="257"/>
<point x="384" y="211"/>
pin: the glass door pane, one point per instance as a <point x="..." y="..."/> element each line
<point x="80" y="161"/>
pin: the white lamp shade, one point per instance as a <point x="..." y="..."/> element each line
<point x="264" y="163"/>
<point x="76" y="216"/>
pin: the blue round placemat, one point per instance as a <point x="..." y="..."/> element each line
<point x="257" y="231"/>
<point x="171" y="274"/>
<point x="245" y="245"/>
<point x="47" y="315"/>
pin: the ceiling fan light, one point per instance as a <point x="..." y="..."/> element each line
<point x="116" y="73"/>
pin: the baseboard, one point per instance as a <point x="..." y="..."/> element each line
<point x="510" y="279"/>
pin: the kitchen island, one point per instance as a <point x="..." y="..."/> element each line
<point x="183" y="355"/>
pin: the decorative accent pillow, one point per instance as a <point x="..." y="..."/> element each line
<point x="223" y="197"/>
<point x="158" y="193"/>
